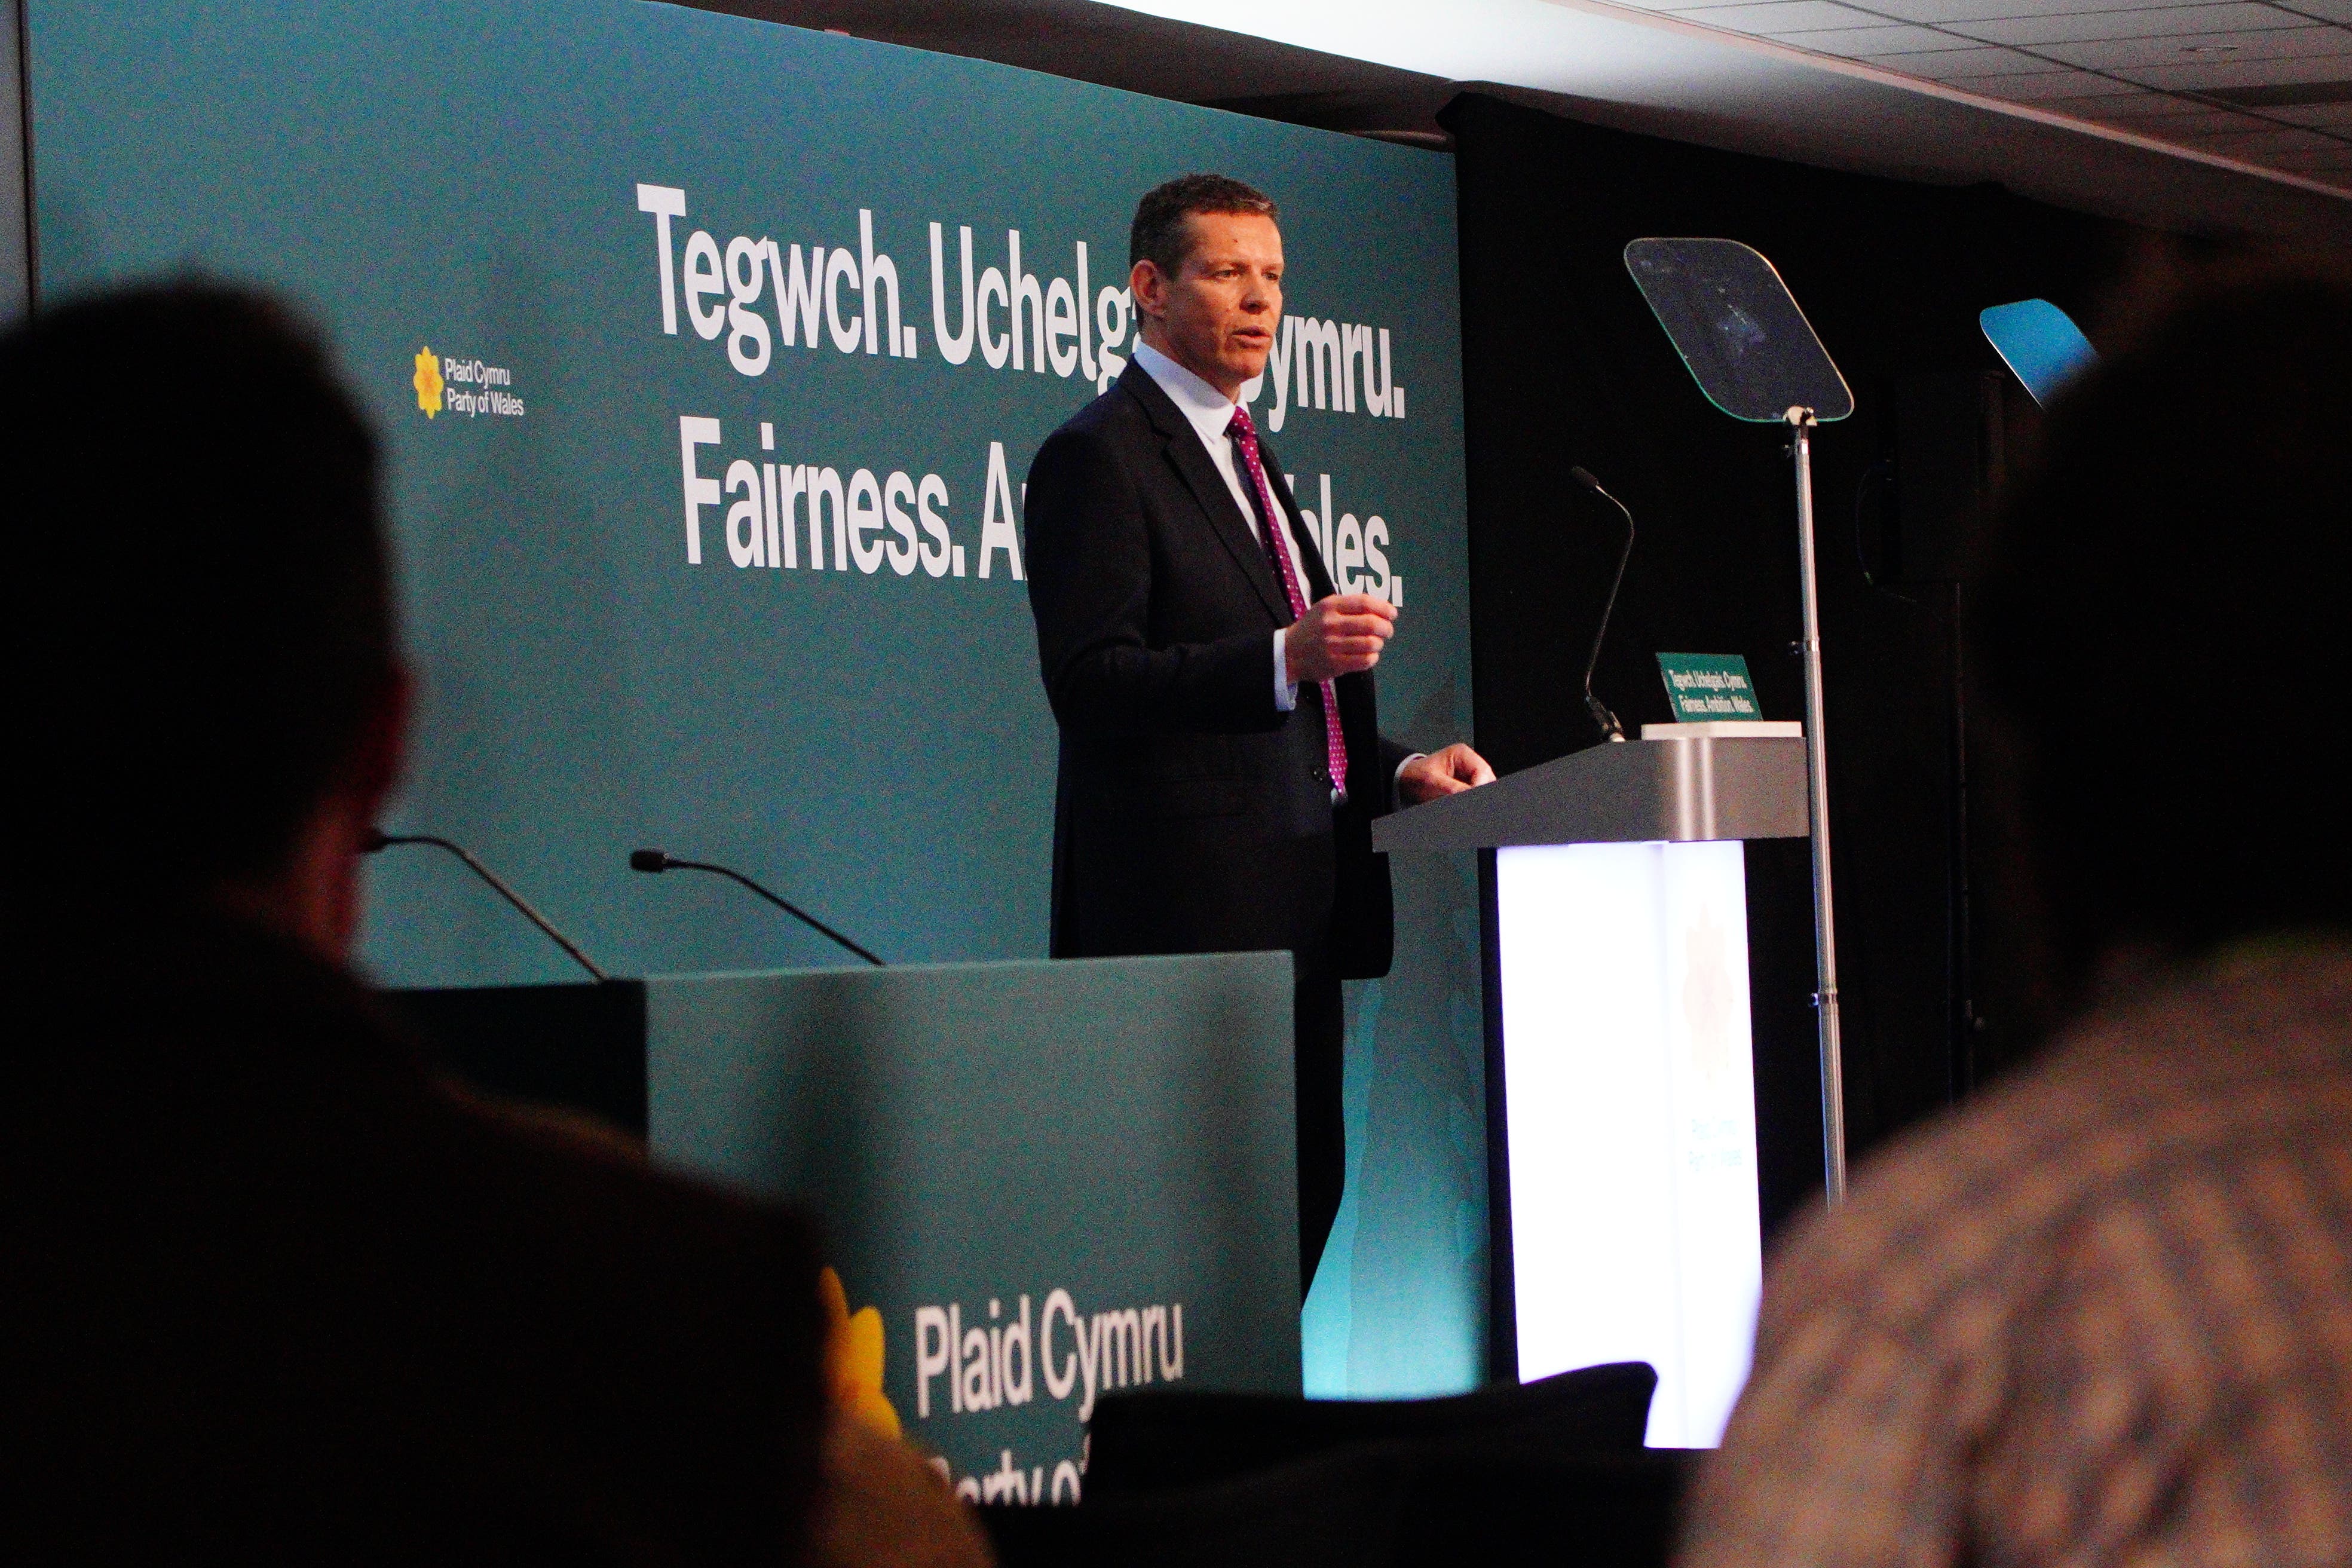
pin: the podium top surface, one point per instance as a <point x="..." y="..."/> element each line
<point x="1638" y="792"/>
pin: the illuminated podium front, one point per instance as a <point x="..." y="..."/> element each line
<point x="1621" y="1098"/>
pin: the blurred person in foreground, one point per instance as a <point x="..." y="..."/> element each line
<point x="266" y="1287"/>
<point x="2104" y="1314"/>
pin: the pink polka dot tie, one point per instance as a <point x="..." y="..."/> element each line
<point x="1244" y="437"/>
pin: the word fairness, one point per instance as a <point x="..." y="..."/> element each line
<point x="866" y="519"/>
<point x="991" y="1366"/>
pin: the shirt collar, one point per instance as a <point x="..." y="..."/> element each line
<point x="1209" y="410"/>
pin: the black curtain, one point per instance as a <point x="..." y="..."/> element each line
<point x="1563" y="364"/>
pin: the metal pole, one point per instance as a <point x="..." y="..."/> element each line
<point x="1825" y="994"/>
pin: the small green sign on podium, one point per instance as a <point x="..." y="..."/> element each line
<point x="1703" y="686"/>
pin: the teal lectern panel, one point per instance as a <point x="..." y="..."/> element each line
<point x="1049" y="1179"/>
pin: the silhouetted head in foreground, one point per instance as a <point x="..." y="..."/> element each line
<point x="2163" y="628"/>
<point x="205" y="694"/>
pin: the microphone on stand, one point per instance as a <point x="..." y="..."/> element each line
<point x="1611" y="730"/>
<point x="655" y="861"/>
<point x="378" y="840"/>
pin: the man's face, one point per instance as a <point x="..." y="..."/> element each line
<point x="1217" y="316"/>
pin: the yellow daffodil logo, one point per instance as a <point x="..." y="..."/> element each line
<point x="428" y="382"/>
<point x="853" y="1352"/>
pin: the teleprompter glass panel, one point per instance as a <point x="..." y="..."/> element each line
<point x="2039" y="343"/>
<point x="1739" y="328"/>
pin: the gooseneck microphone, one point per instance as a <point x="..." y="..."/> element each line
<point x="654" y="860"/>
<point x="379" y="840"/>
<point x="1610" y="728"/>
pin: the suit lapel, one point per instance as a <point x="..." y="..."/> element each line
<point x="1209" y="488"/>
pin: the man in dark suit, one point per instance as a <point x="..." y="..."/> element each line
<point x="1221" y="761"/>
<point x="269" y="1290"/>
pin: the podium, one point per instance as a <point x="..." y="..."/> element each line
<point x="1045" y="1180"/>
<point x="1621" y="1097"/>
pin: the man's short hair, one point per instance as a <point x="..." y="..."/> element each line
<point x="1160" y="234"/>
<point x="2162" y="628"/>
<point x="196" y="596"/>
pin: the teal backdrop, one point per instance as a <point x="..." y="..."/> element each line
<point x="495" y="210"/>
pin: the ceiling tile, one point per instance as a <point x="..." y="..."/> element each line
<point x="2219" y="119"/>
<point x="1938" y="64"/>
<point x="2168" y="127"/>
<point x="2246" y="144"/>
<point x="1940" y="12"/>
<point x="2191" y="76"/>
<point x="2136" y="106"/>
<point x="2318" y="116"/>
<point x="2206" y="51"/>
<point x="2024" y="89"/>
<point x="2131" y="98"/>
<point x="1851" y="41"/>
<point x="1880" y="12"/>
<point x="2166" y="22"/>
<point x="1780" y="16"/>
<point x="2336" y="11"/>
<point x="2307" y="93"/>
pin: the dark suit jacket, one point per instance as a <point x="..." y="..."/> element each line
<point x="1191" y="814"/>
<point x="272" y="1294"/>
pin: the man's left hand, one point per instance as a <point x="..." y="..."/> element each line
<point x="1449" y="772"/>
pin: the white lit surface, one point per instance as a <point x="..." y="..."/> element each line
<point x="1629" y="1096"/>
<point x="1659" y="66"/>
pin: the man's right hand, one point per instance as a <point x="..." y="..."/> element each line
<point x="1338" y="635"/>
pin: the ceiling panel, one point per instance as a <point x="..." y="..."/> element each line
<point x="2035" y="90"/>
<point x="2170" y="21"/>
<point x="1783" y="16"/>
<point x="2304" y="93"/>
<point x="1855" y="41"/>
<point x="2192" y="128"/>
<point x="2252" y="132"/>
<point x="2127" y="64"/>
<point x="2189" y="78"/>
<point x="2136" y="105"/>
<point x="1946" y="13"/>
<point x="2117" y="110"/>
<point x="2336" y="11"/>
<point x="1939" y="64"/>
<point x="2215" y="52"/>
<point x="2003" y="76"/>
